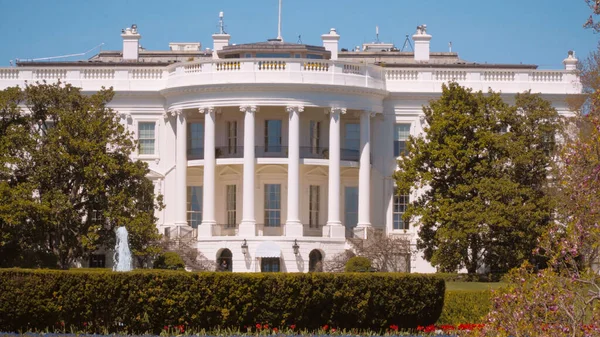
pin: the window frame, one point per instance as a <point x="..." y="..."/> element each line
<point x="314" y="214"/>
<point x="155" y="152"/>
<point x="399" y="205"/>
<point x="269" y="210"/>
<point x="397" y="139"/>
<point x="194" y="216"/>
<point x="231" y="205"/>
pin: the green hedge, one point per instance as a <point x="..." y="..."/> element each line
<point x="146" y="301"/>
<point x="461" y="277"/>
<point x="465" y="306"/>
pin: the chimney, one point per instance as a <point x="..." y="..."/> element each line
<point x="331" y="42"/>
<point x="571" y="61"/>
<point x="221" y="39"/>
<point x="422" y="40"/>
<point x="131" y="43"/>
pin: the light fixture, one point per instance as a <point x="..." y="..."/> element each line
<point x="296" y="247"/>
<point x="245" y="247"/>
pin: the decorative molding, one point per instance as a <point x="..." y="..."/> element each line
<point x="125" y="115"/>
<point x="294" y="108"/>
<point x="207" y="110"/>
<point x="249" y="108"/>
<point x="178" y="112"/>
<point x="372" y="114"/>
<point x="341" y="111"/>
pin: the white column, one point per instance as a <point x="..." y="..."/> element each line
<point x="293" y="226"/>
<point x="210" y="163"/>
<point x="181" y="167"/>
<point x="364" y="173"/>
<point x="334" y="226"/>
<point x="248" y="224"/>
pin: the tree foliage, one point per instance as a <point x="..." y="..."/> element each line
<point x="67" y="180"/>
<point x="480" y="171"/>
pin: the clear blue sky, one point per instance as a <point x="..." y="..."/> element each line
<point x="504" y="31"/>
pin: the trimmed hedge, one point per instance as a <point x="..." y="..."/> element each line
<point x="358" y="264"/>
<point x="146" y="301"/>
<point x="465" y="306"/>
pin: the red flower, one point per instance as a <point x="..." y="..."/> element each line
<point x="394" y="327"/>
<point x="266" y="326"/>
<point x="275" y="330"/>
<point x="293" y="326"/>
<point x="333" y="329"/>
<point x="429" y="328"/>
<point x="258" y="326"/>
<point x="181" y="328"/>
<point x="325" y="327"/>
<point x="166" y="327"/>
<point x="84" y="324"/>
<point x="420" y="328"/>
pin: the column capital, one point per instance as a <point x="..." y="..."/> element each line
<point x="208" y="110"/>
<point x="249" y="108"/>
<point x="371" y="113"/>
<point x="333" y="110"/>
<point x="294" y="108"/>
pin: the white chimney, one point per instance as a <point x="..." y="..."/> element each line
<point x="131" y="43"/>
<point x="220" y="39"/>
<point x="422" y="40"/>
<point x="571" y="61"/>
<point x="331" y="43"/>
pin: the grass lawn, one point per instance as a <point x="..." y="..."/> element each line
<point x="473" y="285"/>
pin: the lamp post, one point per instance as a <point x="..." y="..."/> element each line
<point x="296" y="247"/>
<point x="245" y="248"/>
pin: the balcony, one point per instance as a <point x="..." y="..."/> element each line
<point x="350" y="155"/>
<point x="313" y="230"/>
<point x="269" y="230"/>
<point x="225" y="230"/>
<point x="230" y="152"/>
<point x="312" y="152"/>
<point x="271" y="151"/>
<point x="306" y="152"/>
<point x="195" y="153"/>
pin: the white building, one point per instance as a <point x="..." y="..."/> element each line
<point x="273" y="154"/>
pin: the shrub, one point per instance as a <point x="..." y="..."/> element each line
<point x="465" y="306"/>
<point x="147" y="300"/>
<point x="358" y="264"/>
<point x="169" y="260"/>
<point x="463" y="277"/>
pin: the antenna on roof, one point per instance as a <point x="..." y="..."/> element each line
<point x="279" y="37"/>
<point x="450" y="46"/>
<point x="377" y="34"/>
<point x="299" y="39"/>
<point x="62" y="56"/>
<point x="221" y="23"/>
<point x="407" y="42"/>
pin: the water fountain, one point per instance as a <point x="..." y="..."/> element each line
<point x="122" y="256"/>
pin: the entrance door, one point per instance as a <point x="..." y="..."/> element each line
<point x="350" y="207"/>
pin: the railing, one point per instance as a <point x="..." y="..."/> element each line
<point x="269" y="230"/>
<point x="314" y="152"/>
<point x="230" y="152"/>
<point x="313" y="230"/>
<point x="225" y="230"/>
<point x="498" y="76"/>
<point x="271" y="151"/>
<point x="547" y="76"/>
<point x="350" y="155"/>
<point x="195" y="153"/>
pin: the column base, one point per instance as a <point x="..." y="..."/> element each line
<point x="294" y="229"/>
<point x="205" y="229"/>
<point x="362" y="230"/>
<point x="334" y="230"/>
<point x="247" y="228"/>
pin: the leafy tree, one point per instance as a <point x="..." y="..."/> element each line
<point x="482" y="169"/>
<point x="595" y="8"/>
<point x="358" y="264"/>
<point x="68" y="180"/>
<point x="169" y="260"/>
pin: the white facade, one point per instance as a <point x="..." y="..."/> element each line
<point x="272" y="152"/>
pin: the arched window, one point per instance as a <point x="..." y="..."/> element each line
<point x="315" y="261"/>
<point x="224" y="261"/>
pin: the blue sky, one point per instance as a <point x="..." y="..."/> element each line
<point x="504" y="31"/>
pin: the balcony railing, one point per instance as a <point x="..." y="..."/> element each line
<point x="350" y="155"/>
<point x="225" y="230"/>
<point x="230" y="152"/>
<point x="313" y="152"/>
<point x="195" y="153"/>
<point x="313" y="230"/>
<point x="269" y="230"/>
<point x="271" y="151"/>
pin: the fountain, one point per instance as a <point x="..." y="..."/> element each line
<point x="122" y="256"/>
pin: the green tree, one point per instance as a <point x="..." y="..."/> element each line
<point x="169" y="260"/>
<point x="70" y="180"/>
<point x="358" y="264"/>
<point x="482" y="168"/>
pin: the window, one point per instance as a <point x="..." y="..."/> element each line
<point x="231" y="206"/>
<point x="167" y="232"/>
<point x="352" y="136"/>
<point x="194" y="205"/>
<point x="146" y="137"/>
<point x="273" y="55"/>
<point x="269" y="264"/>
<point x="232" y="137"/>
<point x="400" y="203"/>
<point x="549" y="143"/>
<point x="96" y="216"/>
<point x="314" y="57"/>
<point x="273" y="135"/>
<point x="313" y="206"/>
<point x="351" y="206"/>
<point x="97" y="261"/>
<point x="195" y="141"/>
<point x="315" y="141"/>
<point x="272" y="205"/>
<point x="401" y="133"/>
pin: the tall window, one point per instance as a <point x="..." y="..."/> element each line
<point x="231" y="205"/>
<point x="400" y="203"/>
<point x="269" y="264"/>
<point x="401" y="133"/>
<point x="194" y="206"/>
<point x="351" y="206"/>
<point x="195" y="138"/>
<point x="272" y="205"/>
<point x="352" y="136"/>
<point x="273" y="135"/>
<point x="146" y="137"/>
<point x="313" y="206"/>
<point x="315" y="141"/>
<point x="232" y="137"/>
